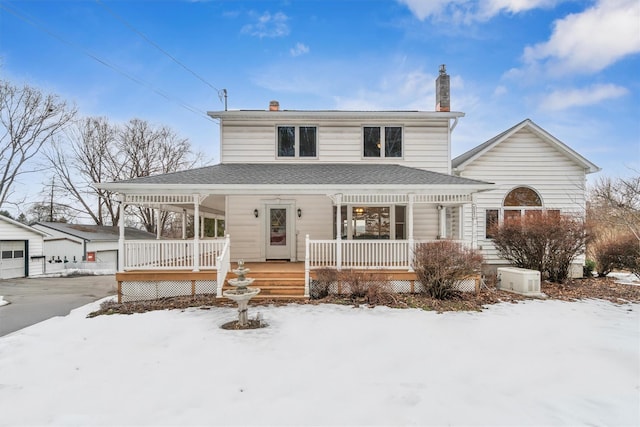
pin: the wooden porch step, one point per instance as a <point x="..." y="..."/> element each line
<point x="276" y="280"/>
<point x="276" y="288"/>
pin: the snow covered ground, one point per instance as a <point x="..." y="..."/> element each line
<point x="532" y="363"/>
<point x="625" y="278"/>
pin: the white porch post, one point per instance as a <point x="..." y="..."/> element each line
<point x="184" y="224"/>
<point x="215" y="227"/>
<point x="196" y="232"/>
<point x="307" y="267"/>
<point x="202" y="227"/>
<point x="121" y="234"/>
<point x="474" y="222"/>
<point x="158" y="230"/>
<point x="442" y="222"/>
<point x="410" y="237"/>
<point x="338" y="231"/>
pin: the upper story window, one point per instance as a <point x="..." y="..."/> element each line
<point x="297" y="141"/>
<point x="382" y="141"/>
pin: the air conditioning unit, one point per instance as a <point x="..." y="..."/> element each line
<point x="519" y="280"/>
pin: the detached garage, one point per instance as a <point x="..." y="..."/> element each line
<point x="21" y="249"/>
<point x="89" y="245"/>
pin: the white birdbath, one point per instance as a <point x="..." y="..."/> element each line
<point x="242" y="293"/>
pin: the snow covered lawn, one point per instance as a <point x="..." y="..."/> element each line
<point x="532" y="363"/>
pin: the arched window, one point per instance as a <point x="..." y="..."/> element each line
<point x="519" y="202"/>
<point x="522" y="196"/>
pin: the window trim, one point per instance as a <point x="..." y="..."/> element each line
<point x="383" y="144"/>
<point x="347" y="217"/>
<point x="296" y="144"/>
<point x="522" y="210"/>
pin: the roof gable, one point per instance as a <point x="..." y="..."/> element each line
<point x="460" y="162"/>
<point x="21" y="225"/>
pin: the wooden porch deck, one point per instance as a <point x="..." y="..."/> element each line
<point x="278" y="280"/>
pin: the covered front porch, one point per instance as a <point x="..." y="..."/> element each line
<point x="341" y="216"/>
<point x="201" y="264"/>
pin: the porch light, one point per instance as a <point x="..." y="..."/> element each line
<point x="299" y="213"/>
<point x="255" y="213"/>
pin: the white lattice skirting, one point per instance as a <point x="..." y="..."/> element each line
<point x="139" y="290"/>
<point x="396" y="286"/>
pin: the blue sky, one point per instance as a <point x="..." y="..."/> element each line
<point x="573" y="67"/>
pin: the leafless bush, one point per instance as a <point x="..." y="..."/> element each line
<point x="380" y="293"/>
<point x="362" y="284"/>
<point x="440" y="265"/>
<point x="544" y="242"/>
<point x="622" y="252"/>
<point x="325" y="278"/>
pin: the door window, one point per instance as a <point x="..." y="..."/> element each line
<point x="278" y="226"/>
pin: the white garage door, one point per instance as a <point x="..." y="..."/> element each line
<point x="12" y="259"/>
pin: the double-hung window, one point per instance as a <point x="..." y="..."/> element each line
<point x="297" y="141"/>
<point x="382" y="141"/>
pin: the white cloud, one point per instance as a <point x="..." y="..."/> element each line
<point x="500" y="90"/>
<point x="268" y="25"/>
<point x="299" y="49"/>
<point x="423" y="9"/>
<point x="490" y="8"/>
<point x="564" y="99"/>
<point x="472" y="10"/>
<point x="590" y="41"/>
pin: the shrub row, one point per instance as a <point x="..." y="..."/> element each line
<point x="544" y="242"/>
<point x="438" y="265"/>
<point x="622" y="252"/>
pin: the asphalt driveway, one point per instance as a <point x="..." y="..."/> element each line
<point x="37" y="299"/>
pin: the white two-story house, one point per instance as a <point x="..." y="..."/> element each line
<point x="350" y="189"/>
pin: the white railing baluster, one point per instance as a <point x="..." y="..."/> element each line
<point x="374" y="254"/>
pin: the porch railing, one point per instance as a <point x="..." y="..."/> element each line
<point x="172" y="254"/>
<point x="362" y="254"/>
<point x="224" y="265"/>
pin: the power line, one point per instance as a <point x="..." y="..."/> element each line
<point x="154" y="44"/>
<point x="107" y="64"/>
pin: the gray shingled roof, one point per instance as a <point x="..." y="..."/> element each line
<point x="97" y="232"/>
<point x="305" y="174"/>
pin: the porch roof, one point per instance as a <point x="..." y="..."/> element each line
<point x="282" y="176"/>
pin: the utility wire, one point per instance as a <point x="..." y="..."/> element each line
<point x="154" y="44"/>
<point x="120" y="71"/>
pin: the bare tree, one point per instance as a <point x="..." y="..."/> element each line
<point x="44" y="211"/>
<point x="150" y="151"/>
<point x="97" y="151"/>
<point x="28" y="120"/>
<point x="616" y="203"/>
<point x="88" y="155"/>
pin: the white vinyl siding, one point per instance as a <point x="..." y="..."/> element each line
<point x="424" y="143"/>
<point x="247" y="232"/>
<point x="14" y="235"/>
<point x="524" y="160"/>
<point x="425" y="222"/>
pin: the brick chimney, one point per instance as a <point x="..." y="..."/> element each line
<point x="442" y="90"/>
<point x="274" y="106"/>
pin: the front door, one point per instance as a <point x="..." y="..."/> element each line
<point x="279" y="233"/>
